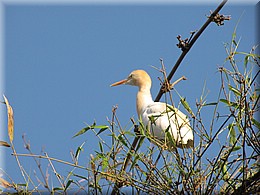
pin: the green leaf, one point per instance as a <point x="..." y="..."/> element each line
<point x="79" y="149"/>
<point x="94" y="126"/>
<point x="224" y="171"/>
<point x="236" y="92"/>
<point x="82" y="131"/>
<point x="104" y="163"/>
<point x="103" y="128"/>
<point x="57" y="189"/>
<point x="256" y="123"/>
<point x="129" y="133"/>
<point x="134" y="161"/>
<point x="170" y="138"/>
<point x="246" y="60"/>
<point x="224" y="101"/>
<point x="142" y="129"/>
<point x="186" y="106"/>
<point x="68" y="184"/>
<point x="235" y="43"/>
<point x="152" y="119"/>
<point x="234" y="35"/>
<point x="22" y="184"/>
<point x="141" y="140"/>
<point x="101" y="147"/>
<point x="79" y="176"/>
<point x="232" y="134"/>
<point x="100" y="127"/>
<point x="236" y="148"/>
<point x="122" y="140"/>
<point x="210" y="104"/>
<point x="229" y="103"/>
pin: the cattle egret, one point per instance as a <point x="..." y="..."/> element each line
<point x="158" y="117"/>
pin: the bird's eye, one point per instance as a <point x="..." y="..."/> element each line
<point x="130" y="76"/>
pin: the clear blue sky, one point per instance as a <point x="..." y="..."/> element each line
<point x="59" y="61"/>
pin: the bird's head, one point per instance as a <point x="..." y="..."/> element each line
<point x="138" y="78"/>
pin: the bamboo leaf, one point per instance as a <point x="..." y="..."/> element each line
<point x="141" y="140"/>
<point x="82" y="131"/>
<point x="210" y="104"/>
<point x="236" y="148"/>
<point x="224" y="101"/>
<point x="93" y="126"/>
<point x="10" y="119"/>
<point x="232" y="134"/>
<point x="103" y="128"/>
<point x="170" y="138"/>
<point x="79" y="149"/>
<point x="79" y="176"/>
<point x="122" y="140"/>
<point x="236" y="92"/>
<point x="57" y="189"/>
<point x="68" y="184"/>
<point x="134" y="161"/>
<point x="129" y="133"/>
<point x="256" y="123"/>
<point x="104" y="163"/>
<point x="234" y="42"/>
<point x="225" y="172"/>
<point x="99" y="126"/>
<point x="142" y="128"/>
<point x="229" y="103"/>
<point x="101" y="147"/>
<point x="186" y="106"/>
<point x="246" y="60"/>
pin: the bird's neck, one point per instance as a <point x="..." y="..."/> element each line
<point x="143" y="99"/>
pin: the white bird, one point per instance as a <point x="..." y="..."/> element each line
<point x="159" y="117"/>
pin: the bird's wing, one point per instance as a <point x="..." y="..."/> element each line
<point x="160" y="116"/>
<point x="160" y="109"/>
<point x="156" y="108"/>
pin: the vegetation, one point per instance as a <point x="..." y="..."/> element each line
<point x="130" y="163"/>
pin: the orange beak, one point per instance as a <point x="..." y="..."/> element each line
<point x="119" y="83"/>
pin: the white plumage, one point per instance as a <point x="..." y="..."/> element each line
<point x="157" y="116"/>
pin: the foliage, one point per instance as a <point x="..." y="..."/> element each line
<point x="133" y="161"/>
<point x="233" y="134"/>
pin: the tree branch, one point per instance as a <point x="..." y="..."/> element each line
<point x="186" y="50"/>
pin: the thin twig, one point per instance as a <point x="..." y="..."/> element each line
<point x="55" y="172"/>
<point x="45" y="178"/>
<point x="177" y="81"/>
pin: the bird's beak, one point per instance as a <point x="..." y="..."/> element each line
<point x="119" y="83"/>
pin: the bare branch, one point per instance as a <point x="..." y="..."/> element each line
<point x="183" y="54"/>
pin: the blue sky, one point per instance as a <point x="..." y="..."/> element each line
<point x="59" y="60"/>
